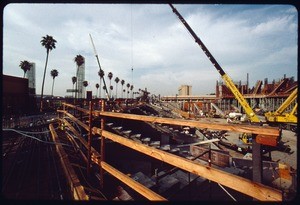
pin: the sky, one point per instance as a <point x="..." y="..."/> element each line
<point x="147" y="45"/>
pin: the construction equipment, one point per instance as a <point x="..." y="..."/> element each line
<point x="96" y="55"/>
<point x="225" y="77"/>
<point x="287" y="120"/>
<point x="248" y="110"/>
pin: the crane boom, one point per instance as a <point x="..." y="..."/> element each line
<point x="225" y="77"/>
<point x="96" y="55"/>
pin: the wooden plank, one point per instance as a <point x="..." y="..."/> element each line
<point x="76" y="108"/>
<point x="255" y="190"/>
<point x="148" y="193"/>
<point x="86" y="127"/>
<point x="267" y="131"/>
<point x="74" y="183"/>
<point x="95" y="154"/>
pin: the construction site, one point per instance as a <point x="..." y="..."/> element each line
<point x="239" y="144"/>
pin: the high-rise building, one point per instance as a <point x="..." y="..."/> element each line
<point x="30" y="74"/>
<point x="80" y="79"/>
<point x="185" y="90"/>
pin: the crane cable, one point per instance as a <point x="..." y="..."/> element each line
<point x="131" y="44"/>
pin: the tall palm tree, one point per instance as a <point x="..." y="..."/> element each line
<point x="49" y="43"/>
<point x="79" y="60"/>
<point x="25" y="66"/>
<point x="117" y="81"/>
<point x="128" y="86"/>
<point x="101" y="75"/>
<point x="111" y="88"/>
<point x="85" y="83"/>
<point x="54" y="74"/>
<point x="110" y="75"/>
<point x="122" y="83"/>
<point x="104" y="87"/>
<point x="74" y="80"/>
<point x="131" y="88"/>
<point x="97" y="86"/>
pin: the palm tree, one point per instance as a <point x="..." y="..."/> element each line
<point x="74" y="80"/>
<point x="54" y="74"/>
<point x="104" y="87"/>
<point x="117" y="81"/>
<point x="128" y="86"/>
<point x="49" y="43"/>
<point x="122" y="83"/>
<point x="110" y="75"/>
<point x="101" y="74"/>
<point x="131" y="88"/>
<point x="111" y="88"/>
<point x="79" y="60"/>
<point x="25" y="66"/>
<point x="97" y="86"/>
<point x="85" y="83"/>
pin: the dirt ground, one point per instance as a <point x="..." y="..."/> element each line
<point x="289" y="137"/>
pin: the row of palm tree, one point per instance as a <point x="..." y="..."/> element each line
<point x="50" y="43"/>
<point x="117" y="80"/>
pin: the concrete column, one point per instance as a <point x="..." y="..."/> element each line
<point x="257" y="162"/>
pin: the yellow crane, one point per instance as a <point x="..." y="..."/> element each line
<point x="287" y="120"/>
<point x="248" y="110"/>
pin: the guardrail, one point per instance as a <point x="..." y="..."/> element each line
<point x="253" y="189"/>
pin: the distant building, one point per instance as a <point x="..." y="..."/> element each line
<point x="30" y="74"/>
<point x="80" y="79"/>
<point x="185" y="90"/>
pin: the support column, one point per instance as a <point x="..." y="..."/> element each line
<point x="89" y="139"/>
<point x="257" y="161"/>
<point x="102" y="146"/>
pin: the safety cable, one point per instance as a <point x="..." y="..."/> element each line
<point x="46" y="142"/>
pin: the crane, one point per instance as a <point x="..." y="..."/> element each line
<point x="248" y="110"/>
<point x="225" y="77"/>
<point x="285" y="118"/>
<point x="96" y="55"/>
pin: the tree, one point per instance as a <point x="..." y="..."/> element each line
<point x="131" y="88"/>
<point x="85" y="83"/>
<point x="54" y="74"/>
<point x="111" y="88"/>
<point x="128" y="86"/>
<point x="117" y="81"/>
<point x="110" y="75"/>
<point x="122" y="83"/>
<point x="97" y="86"/>
<point x="104" y="87"/>
<point x="101" y="75"/>
<point x="25" y="66"/>
<point x="49" y="43"/>
<point x="79" y="60"/>
<point x="74" y="80"/>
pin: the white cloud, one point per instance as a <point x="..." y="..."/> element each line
<point x="151" y="39"/>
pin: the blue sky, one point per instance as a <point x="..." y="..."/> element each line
<point x="257" y="39"/>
